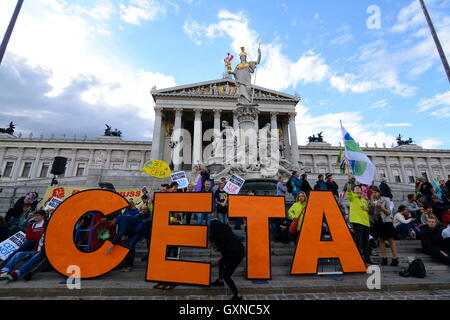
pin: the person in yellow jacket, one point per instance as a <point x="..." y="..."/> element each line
<point x="297" y="210"/>
<point x="359" y="219"/>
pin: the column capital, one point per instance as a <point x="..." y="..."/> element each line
<point x="178" y="111"/>
<point x="158" y="110"/>
<point x="292" y="116"/>
<point x="217" y="112"/>
<point x="198" y="112"/>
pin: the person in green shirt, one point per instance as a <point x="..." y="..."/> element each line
<point x="297" y="210"/>
<point x="360" y="222"/>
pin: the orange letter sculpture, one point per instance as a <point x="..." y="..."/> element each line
<point x="160" y="269"/>
<point x="310" y="248"/>
<point x="257" y="211"/>
<point x="59" y="245"/>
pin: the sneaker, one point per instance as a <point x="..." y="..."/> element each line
<point x="217" y="283"/>
<point x="394" y="262"/>
<point x="3" y="275"/>
<point x="12" y="276"/>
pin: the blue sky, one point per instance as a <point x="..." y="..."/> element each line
<point x="73" y="66"/>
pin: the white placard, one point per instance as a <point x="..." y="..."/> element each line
<point x="234" y="185"/>
<point x="53" y="203"/>
<point x="180" y="178"/>
<point x="11" y="244"/>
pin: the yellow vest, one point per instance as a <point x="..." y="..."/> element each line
<point x="294" y="212"/>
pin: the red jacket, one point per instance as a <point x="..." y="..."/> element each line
<point x="34" y="233"/>
<point x="446" y="219"/>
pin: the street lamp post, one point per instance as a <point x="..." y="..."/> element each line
<point x="10" y="30"/>
<point x="436" y="40"/>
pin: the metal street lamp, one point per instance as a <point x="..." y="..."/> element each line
<point x="10" y="30"/>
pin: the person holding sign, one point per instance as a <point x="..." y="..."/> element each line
<point x="221" y="199"/>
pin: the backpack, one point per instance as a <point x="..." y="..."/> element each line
<point x="289" y="186"/>
<point x="416" y="269"/>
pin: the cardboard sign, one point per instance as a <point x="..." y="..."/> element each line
<point x="310" y="248"/>
<point x="65" y="192"/>
<point x="11" y="244"/>
<point x="257" y="210"/>
<point x="234" y="185"/>
<point x="59" y="245"/>
<point x="53" y="204"/>
<point x="156" y="169"/>
<point x="161" y="269"/>
<point x="180" y="178"/>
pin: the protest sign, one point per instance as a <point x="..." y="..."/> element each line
<point x="180" y="178"/>
<point x="11" y="244"/>
<point x="53" y="203"/>
<point x="156" y="169"/>
<point x="234" y="185"/>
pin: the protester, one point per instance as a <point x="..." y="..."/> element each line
<point x="320" y="184"/>
<point x="332" y="185"/>
<point x="447" y="184"/>
<point x="132" y="227"/>
<point x="426" y="189"/>
<point x="420" y="201"/>
<point x="359" y="220"/>
<point x="385" y="190"/>
<point x="381" y="216"/>
<point x="233" y="252"/>
<point x="206" y="216"/>
<point x="297" y="210"/>
<point x="221" y="199"/>
<point x="438" y="207"/>
<point x="131" y="210"/>
<point x="296" y="183"/>
<point x="443" y="190"/>
<point x="350" y="184"/>
<point x="432" y="241"/>
<point x="24" y="204"/>
<point x="366" y="192"/>
<point x="281" y="187"/>
<point x="34" y="250"/>
<point x="404" y="224"/>
<point x="306" y="187"/>
<point x="446" y="218"/>
<point x="447" y="202"/>
<point x="412" y="206"/>
<point x="428" y="213"/>
<point x="188" y="215"/>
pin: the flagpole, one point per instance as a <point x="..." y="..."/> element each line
<point x="10" y="30"/>
<point x="347" y="163"/>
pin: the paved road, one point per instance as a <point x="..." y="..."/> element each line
<point x="375" y="295"/>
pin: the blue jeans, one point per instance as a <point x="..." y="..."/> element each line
<point x="32" y="258"/>
<point x="403" y="229"/>
<point x="26" y="246"/>
<point x="203" y="216"/>
<point x="222" y="217"/>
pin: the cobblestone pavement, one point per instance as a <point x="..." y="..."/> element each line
<point x="375" y="295"/>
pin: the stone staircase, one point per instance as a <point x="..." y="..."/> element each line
<point x="133" y="283"/>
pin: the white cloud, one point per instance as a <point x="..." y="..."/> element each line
<point x="353" y="122"/>
<point x="380" y="104"/>
<point x="432" y="143"/>
<point x="388" y="125"/>
<point x="342" y="39"/>
<point x="142" y="10"/>
<point x="442" y="99"/>
<point x="72" y="51"/>
<point x="349" y="82"/>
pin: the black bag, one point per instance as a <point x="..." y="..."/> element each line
<point x="289" y="185"/>
<point x="416" y="269"/>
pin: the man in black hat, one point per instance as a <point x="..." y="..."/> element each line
<point x="331" y="184"/>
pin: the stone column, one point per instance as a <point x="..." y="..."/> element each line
<point x="17" y="165"/>
<point x="157" y="131"/>
<point x="125" y="159"/>
<point x="90" y="163"/>
<point x="444" y="171"/>
<point x="330" y="165"/>
<point x="287" y="146"/>
<point x="143" y="159"/>
<point x="35" y="165"/>
<point x="235" y="122"/>
<point x="402" y="168"/>
<point x="176" y="138"/>
<point x="2" y="156"/>
<point x="416" y="168"/>
<point x="430" y="168"/>
<point x="257" y="123"/>
<point x="108" y="159"/>
<point x="197" y="148"/>
<point x="69" y="172"/>
<point x="217" y="119"/>
<point x="274" y="124"/>
<point x="314" y="164"/>
<point x="388" y="170"/>
<point x="294" y="142"/>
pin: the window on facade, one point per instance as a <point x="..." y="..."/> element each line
<point x="424" y="175"/>
<point x="26" y="170"/>
<point x="80" y="170"/>
<point x="382" y="173"/>
<point x="44" y="170"/>
<point x="437" y="174"/>
<point x="411" y="177"/>
<point x="397" y="177"/>
<point x="117" y="166"/>
<point x="8" y="169"/>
